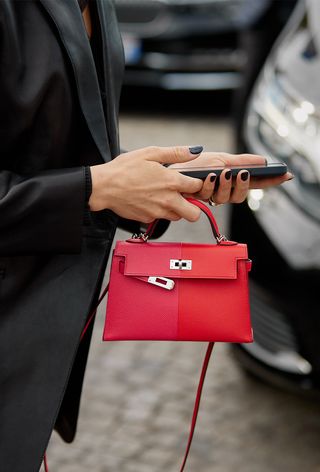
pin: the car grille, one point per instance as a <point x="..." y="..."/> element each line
<point x="270" y="327"/>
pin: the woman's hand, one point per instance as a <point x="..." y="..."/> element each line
<point x="228" y="191"/>
<point x="136" y="185"/>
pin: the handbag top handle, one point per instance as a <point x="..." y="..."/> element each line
<point x="214" y="226"/>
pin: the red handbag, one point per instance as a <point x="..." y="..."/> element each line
<point x="178" y="292"/>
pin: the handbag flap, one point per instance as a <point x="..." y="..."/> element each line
<point x="181" y="260"/>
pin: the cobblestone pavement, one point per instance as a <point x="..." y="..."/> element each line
<point x="138" y="396"/>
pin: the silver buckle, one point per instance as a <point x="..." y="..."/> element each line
<point x="162" y="282"/>
<point x="143" y="236"/>
<point x="181" y="264"/>
<point x="221" y="238"/>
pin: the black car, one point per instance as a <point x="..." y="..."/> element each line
<point x="282" y="224"/>
<point x="197" y="44"/>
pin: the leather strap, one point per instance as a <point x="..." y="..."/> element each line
<point x="199" y="390"/>
<point x="93" y="313"/>
<point x="45" y="463"/>
<point x="197" y="402"/>
<point x="214" y="226"/>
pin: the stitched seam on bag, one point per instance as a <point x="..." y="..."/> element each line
<point x="178" y="302"/>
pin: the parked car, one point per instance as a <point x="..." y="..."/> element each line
<point x="197" y="44"/>
<point x="282" y="224"/>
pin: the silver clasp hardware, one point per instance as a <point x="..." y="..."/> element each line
<point x="163" y="282"/>
<point x="182" y="264"/>
<point x="221" y="238"/>
<point x="143" y="236"/>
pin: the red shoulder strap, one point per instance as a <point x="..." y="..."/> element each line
<point x="197" y="402"/>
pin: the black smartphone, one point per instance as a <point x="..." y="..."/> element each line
<point x="256" y="170"/>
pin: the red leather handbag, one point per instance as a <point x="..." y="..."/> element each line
<point x="179" y="291"/>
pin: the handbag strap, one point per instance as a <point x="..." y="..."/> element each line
<point x="214" y="226"/>
<point x="199" y="390"/>
<point x="197" y="402"/>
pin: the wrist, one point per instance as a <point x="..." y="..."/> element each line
<point x="99" y="198"/>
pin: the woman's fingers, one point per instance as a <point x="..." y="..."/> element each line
<point x="185" y="184"/>
<point x="172" y="216"/>
<point x="137" y="186"/>
<point x="206" y="190"/>
<point x="241" y="187"/>
<point x="264" y="183"/>
<point x="170" y="155"/>
<point x="185" y="210"/>
<point x="223" y="192"/>
<point x="208" y="187"/>
<point x="243" y="159"/>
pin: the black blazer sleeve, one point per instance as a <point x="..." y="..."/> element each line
<point x="44" y="142"/>
<point x="42" y="213"/>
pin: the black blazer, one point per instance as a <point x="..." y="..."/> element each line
<point x="54" y="120"/>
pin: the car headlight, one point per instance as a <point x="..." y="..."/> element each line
<point x="286" y="127"/>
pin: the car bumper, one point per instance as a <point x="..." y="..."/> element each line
<point x="282" y="243"/>
<point x="183" y="80"/>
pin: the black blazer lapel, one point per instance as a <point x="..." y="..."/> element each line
<point x="113" y="62"/>
<point x="67" y="18"/>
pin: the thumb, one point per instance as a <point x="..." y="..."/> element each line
<point x="175" y="154"/>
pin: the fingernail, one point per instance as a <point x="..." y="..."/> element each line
<point x="227" y="175"/>
<point x="266" y="161"/>
<point x="195" y="149"/>
<point x="213" y="178"/>
<point x="244" y="176"/>
<point x="291" y="176"/>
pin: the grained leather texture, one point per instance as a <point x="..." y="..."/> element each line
<point x="209" y="302"/>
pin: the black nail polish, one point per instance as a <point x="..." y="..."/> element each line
<point x="244" y="176"/>
<point x="228" y="175"/>
<point x="213" y="178"/>
<point x="266" y="161"/>
<point x="195" y="149"/>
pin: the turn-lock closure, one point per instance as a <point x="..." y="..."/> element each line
<point x="163" y="282"/>
<point x="181" y="264"/>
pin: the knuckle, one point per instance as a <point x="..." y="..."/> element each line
<point x="205" y="193"/>
<point x="167" y="201"/>
<point x="172" y="216"/>
<point x="172" y="181"/>
<point x="147" y="219"/>
<point x="194" y="185"/>
<point x="176" y="153"/>
<point x="152" y="149"/>
<point x="220" y="199"/>
<point x="194" y="216"/>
